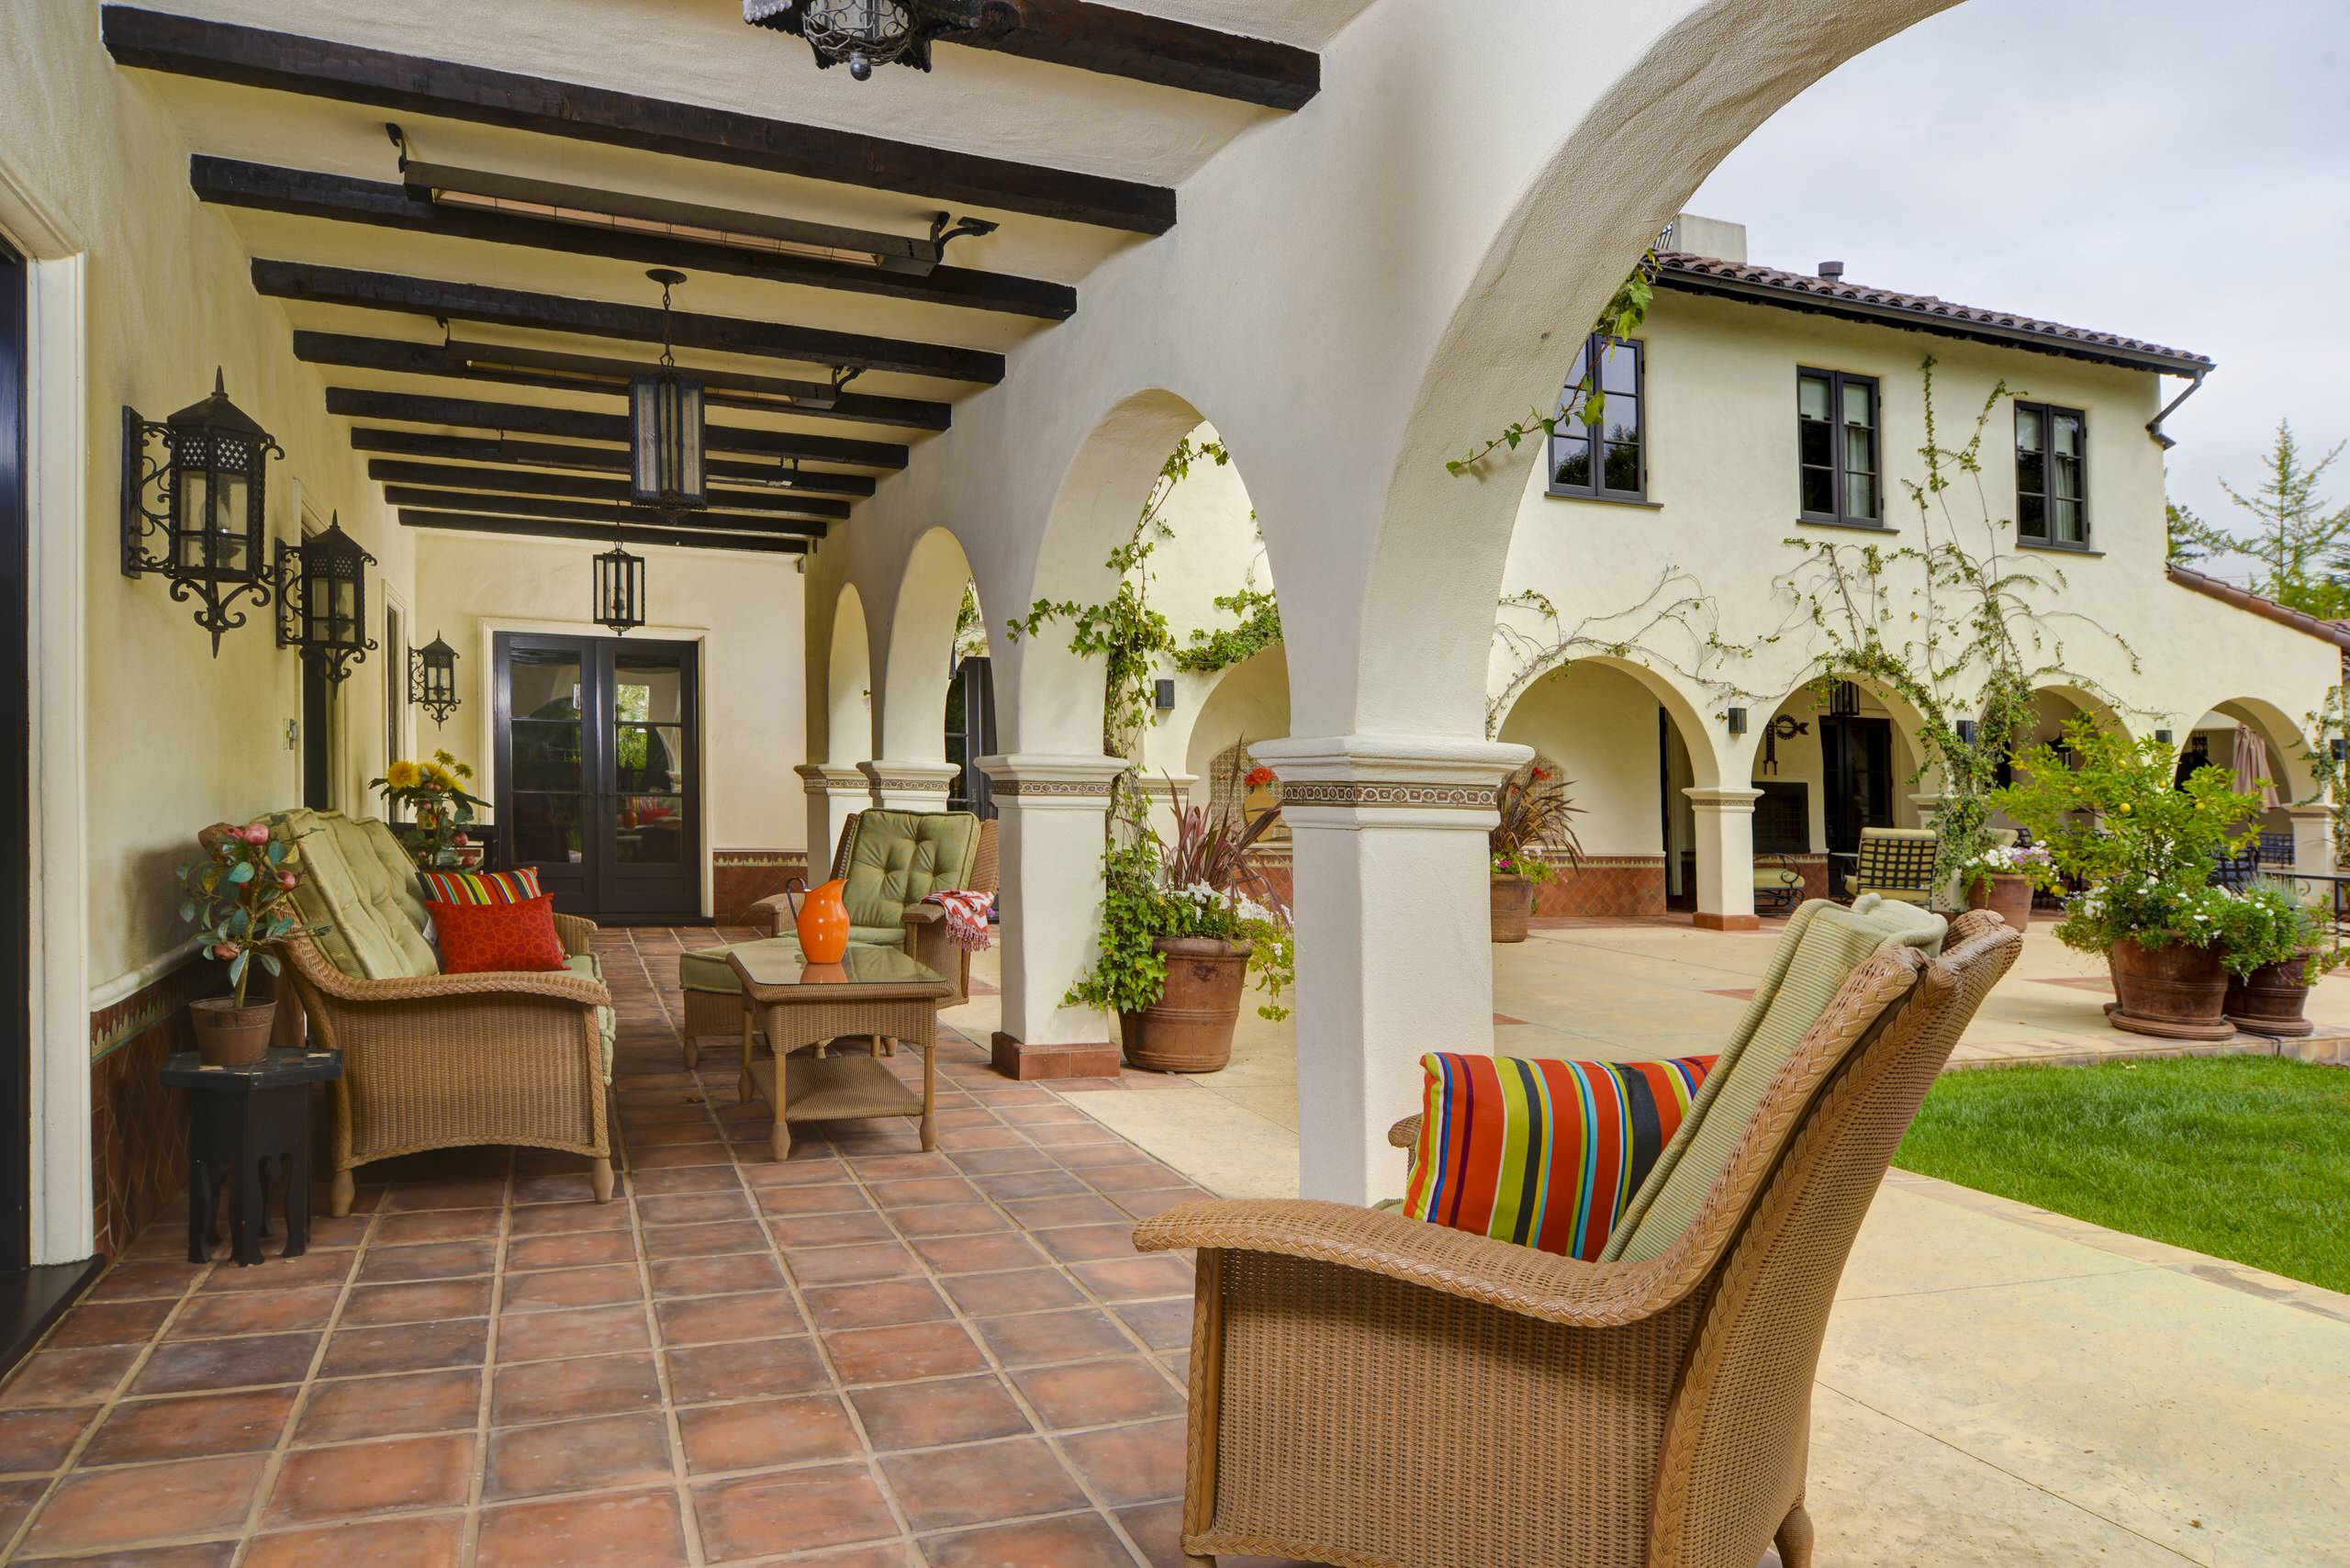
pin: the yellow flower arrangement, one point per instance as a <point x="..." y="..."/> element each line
<point x="404" y="775"/>
<point x="435" y="792"/>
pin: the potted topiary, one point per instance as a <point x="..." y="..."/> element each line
<point x="2277" y="952"/>
<point x="2003" y="878"/>
<point x="1535" y="821"/>
<point x="237" y="896"/>
<point x="2111" y="816"/>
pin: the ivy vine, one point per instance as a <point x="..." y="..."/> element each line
<point x="1259" y="617"/>
<point x="1626" y="311"/>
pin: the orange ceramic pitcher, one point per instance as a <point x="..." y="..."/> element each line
<point x="823" y="919"/>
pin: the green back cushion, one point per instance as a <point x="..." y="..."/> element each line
<point x="899" y="858"/>
<point x="358" y="880"/>
<point x="1823" y="946"/>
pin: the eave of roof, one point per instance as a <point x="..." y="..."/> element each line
<point x="2333" y="631"/>
<point x="1918" y="312"/>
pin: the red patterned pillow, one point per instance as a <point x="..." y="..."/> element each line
<point x="497" y="938"/>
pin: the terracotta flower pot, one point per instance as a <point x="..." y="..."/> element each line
<point x="1191" y="1028"/>
<point x="1513" y="906"/>
<point x="2005" y="895"/>
<point x="2269" y="999"/>
<point x="2174" y="993"/>
<point x="230" y="1036"/>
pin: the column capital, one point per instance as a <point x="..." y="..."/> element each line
<point x="1052" y="781"/>
<point x="823" y="779"/>
<point x="918" y="778"/>
<point x="1740" y="800"/>
<point x="2306" y="814"/>
<point x="1389" y="780"/>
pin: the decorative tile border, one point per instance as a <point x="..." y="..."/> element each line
<point x="740" y="859"/>
<point x="113" y="1026"/>
<point x="884" y="784"/>
<point x="1360" y="793"/>
<point x="1052" y="790"/>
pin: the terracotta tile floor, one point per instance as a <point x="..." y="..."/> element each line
<point x="867" y="1357"/>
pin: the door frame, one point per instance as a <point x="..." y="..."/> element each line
<point x="486" y="632"/>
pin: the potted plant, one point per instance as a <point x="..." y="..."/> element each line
<point x="2112" y="818"/>
<point x="1185" y="923"/>
<point x="1535" y="820"/>
<point x="2276" y="954"/>
<point x="237" y="896"/>
<point x="434" y="791"/>
<point x="2003" y="877"/>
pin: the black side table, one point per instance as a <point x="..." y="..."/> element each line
<point x="241" y="1122"/>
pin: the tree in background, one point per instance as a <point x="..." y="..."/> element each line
<point x="2299" y="538"/>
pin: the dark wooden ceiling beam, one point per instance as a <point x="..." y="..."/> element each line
<point x="560" y="506"/>
<point x="343" y="199"/>
<point x="407" y="358"/>
<point x="603" y="319"/>
<point x="532" y="456"/>
<point x="528" y="419"/>
<point x="1161" y="50"/>
<point x="603" y="532"/>
<point x="350" y="73"/>
<point x="531" y="482"/>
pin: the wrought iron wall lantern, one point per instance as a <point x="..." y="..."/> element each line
<point x="432" y="678"/>
<point x="668" y="466"/>
<point x="209" y="504"/>
<point x="620" y="590"/>
<point x="862" y="34"/>
<point x="322" y="601"/>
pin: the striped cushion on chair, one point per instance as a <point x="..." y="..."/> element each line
<point x="1544" y="1154"/>
<point x="480" y="887"/>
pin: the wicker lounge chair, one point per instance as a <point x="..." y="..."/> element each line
<point x="1368" y="1389"/>
<point x="891" y="861"/>
<point x="434" y="1060"/>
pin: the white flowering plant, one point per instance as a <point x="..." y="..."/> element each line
<point x="2031" y="861"/>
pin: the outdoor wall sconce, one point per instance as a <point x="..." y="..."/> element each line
<point x="432" y="678"/>
<point x="1736" y="717"/>
<point x="1844" y="701"/>
<point x="322" y="601"/>
<point x="620" y="590"/>
<point x="2164" y="736"/>
<point x="668" y="468"/>
<point x="209" y="503"/>
<point x="1164" y="696"/>
<point x="1967" y="730"/>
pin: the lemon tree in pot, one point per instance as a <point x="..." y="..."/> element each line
<point x="238" y="896"/>
<point x="2114" y="817"/>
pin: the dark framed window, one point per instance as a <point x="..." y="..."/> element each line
<point x="1607" y="462"/>
<point x="2051" y="476"/>
<point x="1836" y="449"/>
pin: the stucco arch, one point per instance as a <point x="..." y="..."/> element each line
<point x="1248" y="702"/>
<point x="848" y="684"/>
<point x="2287" y="747"/>
<point x="2078" y="700"/>
<point x="1707" y="757"/>
<point x="920" y="654"/>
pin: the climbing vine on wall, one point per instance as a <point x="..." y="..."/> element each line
<point x="1625" y="315"/>
<point x="1259" y="617"/>
<point x="1675" y="628"/>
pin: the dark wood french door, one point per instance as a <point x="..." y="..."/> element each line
<point x="599" y="762"/>
<point x="1856" y="786"/>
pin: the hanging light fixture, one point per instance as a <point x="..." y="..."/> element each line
<point x="322" y="601"/>
<point x="210" y="506"/>
<point x="620" y="590"/>
<point x="862" y="34"/>
<point x="667" y="466"/>
<point x="432" y="678"/>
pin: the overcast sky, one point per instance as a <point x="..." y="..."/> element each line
<point x="2174" y="172"/>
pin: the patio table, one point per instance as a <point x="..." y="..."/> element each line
<point x="877" y="993"/>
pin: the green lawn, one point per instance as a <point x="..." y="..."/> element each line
<point x="2247" y="1158"/>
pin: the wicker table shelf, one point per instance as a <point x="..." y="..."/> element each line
<point x="875" y="994"/>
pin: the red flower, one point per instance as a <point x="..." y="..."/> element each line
<point x="1261" y="775"/>
<point x="1540" y="774"/>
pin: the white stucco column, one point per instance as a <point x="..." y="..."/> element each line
<point x="2314" y="847"/>
<point x="1726" y="858"/>
<point x="1394" y="935"/>
<point x="834" y="795"/>
<point x="1050" y="813"/>
<point x="910" y="785"/>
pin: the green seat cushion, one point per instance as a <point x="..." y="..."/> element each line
<point x="360" y="883"/>
<point x="898" y="858"/>
<point x="1823" y="946"/>
<point x="707" y="968"/>
<point x="608" y="1021"/>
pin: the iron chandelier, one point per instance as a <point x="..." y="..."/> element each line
<point x="862" y="34"/>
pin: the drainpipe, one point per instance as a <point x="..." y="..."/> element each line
<point x="2154" y="425"/>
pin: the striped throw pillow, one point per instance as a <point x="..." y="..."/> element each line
<point x="480" y="887"/>
<point x="1544" y="1154"/>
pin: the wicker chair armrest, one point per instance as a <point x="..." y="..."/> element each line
<point x="1406" y="1134"/>
<point x="576" y="934"/>
<point x="1475" y="1268"/>
<point x="778" y="910"/>
<point x="923" y="914"/>
<point x="554" y="985"/>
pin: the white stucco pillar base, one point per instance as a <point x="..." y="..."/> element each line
<point x="1050" y="813"/>
<point x="1726" y="858"/>
<point x="834" y="795"/>
<point x="1394" y="935"/>
<point x="910" y="785"/>
<point x="2314" y="847"/>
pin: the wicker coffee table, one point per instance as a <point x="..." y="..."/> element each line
<point x="875" y="993"/>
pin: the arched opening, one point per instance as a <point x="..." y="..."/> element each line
<point x="2265" y="751"/>
<point x="1631" y="746"/>
<point x="848" y="733"/>
<point x="1836" y="757"/>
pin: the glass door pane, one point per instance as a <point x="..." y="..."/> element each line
<point x="650" y="791"/>
<point x="543" y="742"/>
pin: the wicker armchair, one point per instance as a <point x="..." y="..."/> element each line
<point x="1369" y="1389"/>
<point x="444" y="1061"/>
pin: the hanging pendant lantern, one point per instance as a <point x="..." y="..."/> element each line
<point x="668" y="468"/>
<point x="322" y="601"/>
<point x="210" y="506"/>
<point x="862" y="34"/>
<point x="432" y="678"/>
<point x="620" y="590"/>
